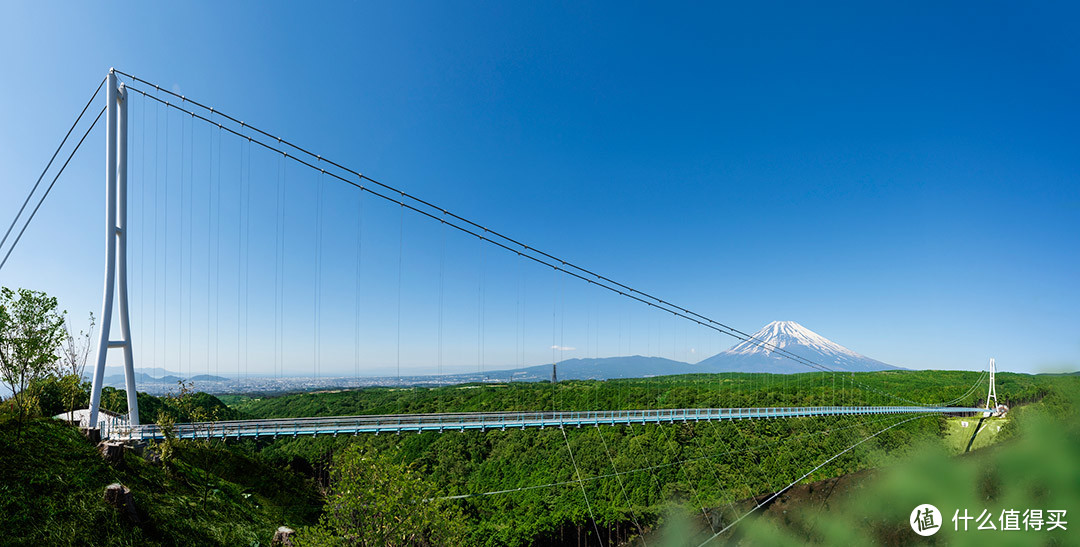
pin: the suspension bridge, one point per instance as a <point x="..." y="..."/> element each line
<point x="204" y="249"/>
<point x="461" y="421"/>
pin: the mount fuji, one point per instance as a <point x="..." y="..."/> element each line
<point x="760" y="354"/>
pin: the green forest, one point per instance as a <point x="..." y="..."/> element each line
<point x="533" y="487"/>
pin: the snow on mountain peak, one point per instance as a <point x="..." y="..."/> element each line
<point x="760" y="353"/>
<point x="782" y="335"/>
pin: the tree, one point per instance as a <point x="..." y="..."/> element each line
<point x="198" y="411"/>
<point x="31" y="331"/>
<point x="376" y="500"/>
<point x="73" y="355"/>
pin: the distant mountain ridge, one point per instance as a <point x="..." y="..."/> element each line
<point x="758" y="354"/>
<point x="601" y="368"/>
<point x="114" y="377"/>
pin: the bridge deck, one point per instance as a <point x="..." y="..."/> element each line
<point x="398" y="423"/>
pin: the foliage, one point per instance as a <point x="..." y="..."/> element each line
<point x="31" y="332"/>
<point x="378" y="501"/>
<point x="74" y="351"/>
<point x="52" y="393"/>
<point x="1036" y="471"/>
<point x="55" y="395"/>
<point x="686" y="391"/>
<point x="194" y="405"/>
<point x="186" y="405"/>
<point x="638" y="476"/>
<point x="52" y="494"/>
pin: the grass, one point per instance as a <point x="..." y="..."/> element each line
<point x="1032" y="465"/>
<point x="957" y="435"/>
<point x="53" y="484"/>
<point x="52" y="479"/>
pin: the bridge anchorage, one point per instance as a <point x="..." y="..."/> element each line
<point x="115" y="293"/>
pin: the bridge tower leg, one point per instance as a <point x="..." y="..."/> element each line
<point x="115" y="251"/>
<point x="992" y="392"/>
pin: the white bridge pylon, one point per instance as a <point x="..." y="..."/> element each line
<point x="116" y="292"/>
<point x="116" y="285"/>
<point x="996" y="409"/>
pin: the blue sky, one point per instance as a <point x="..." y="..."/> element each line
<point x="900" y="179"/>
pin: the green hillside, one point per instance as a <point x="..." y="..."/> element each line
<point x="635" y="476"/>
<point x="206" y="494"/>
<point x="685" y="391"/>
<point x="484" y="488"/>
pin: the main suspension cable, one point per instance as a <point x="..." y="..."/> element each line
<point x="733" y="332"/>
<point x="482" y="232"/>
<point x="48" y="165"/>
<point x="18" y="237"/>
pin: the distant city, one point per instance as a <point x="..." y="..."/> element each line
<point x="288" y="384"/>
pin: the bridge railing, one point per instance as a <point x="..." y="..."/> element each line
<point x="460" y="421"/>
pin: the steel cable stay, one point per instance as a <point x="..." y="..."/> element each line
<point x="577" y="472"/>
<point x="180" y="313"/>
<point x="749" y="491"/>
<point x="755" y="455"/>
<point x="754" y="452"/>
<point x="180" y="293"/>
<point x="217" y="260"/>
<point x="165" y="253"/>
<point x="554" y="262"/>
<point x="405" y="205"/>
<point x="142" y="224"/>
<point x="30" y="218"/>
<point x="806" y="424"/>
<point x="559" y="267"/>
<point x="480" y="312"/>
<point x="242" y="236"/>
<point x="650" y="467"/>
<point x="807" y="474"/>
<point x="33" y="190"/>
<point x="682" y="469"/>
<point x="191" y="244"/>
<point x="733" y="332"/>
<point x="280" y="265"/>
<point x="622" y="487"/>
<point x="756" y="396"/>
<point x="970" y="390"/>
<point x="317" y="308"/>
<point x="487" y="234"/>
<point x="648" y="463"/>
<point x="359" y="286"/>
<point x="179" y="322"/>
<point x="209" y="236"/>
<point x="400" y="274"/>
<point x="715" y="476"/>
